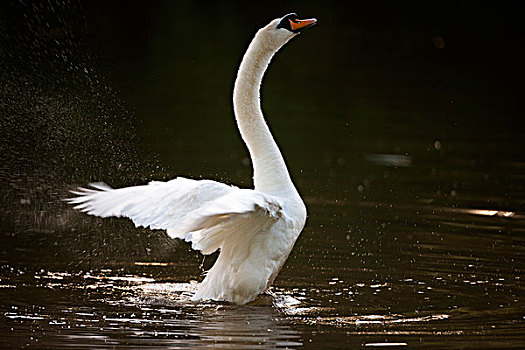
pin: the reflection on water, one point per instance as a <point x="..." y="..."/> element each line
<point x="413" y="175"/>
<point x="356" y="298"/>
<point x="131" y="310"/>
<point x="103" y="309"/>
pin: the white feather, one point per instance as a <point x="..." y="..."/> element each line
<point x="203" y="212"/>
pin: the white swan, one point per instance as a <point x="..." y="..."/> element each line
<point x="255" y="230"/>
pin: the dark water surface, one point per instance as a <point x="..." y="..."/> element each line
<point x="403" y="134"/>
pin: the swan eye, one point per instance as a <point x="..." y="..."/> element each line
<point x="286" y="21"/>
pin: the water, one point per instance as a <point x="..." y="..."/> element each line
<point x="409" y="160"/>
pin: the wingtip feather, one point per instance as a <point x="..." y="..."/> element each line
<point x="101" y="186"/>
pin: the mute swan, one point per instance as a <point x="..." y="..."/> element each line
<point x="254" y="230"/>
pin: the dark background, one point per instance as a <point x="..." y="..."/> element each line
<point x="381" y="48"/>
<point x="128" y="91"/>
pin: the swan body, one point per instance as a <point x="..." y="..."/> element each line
<point x="254" y="229"/>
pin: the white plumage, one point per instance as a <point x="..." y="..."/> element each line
<point x="255" y="230"/>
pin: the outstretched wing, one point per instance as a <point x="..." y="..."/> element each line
<point x="204" y="212"/>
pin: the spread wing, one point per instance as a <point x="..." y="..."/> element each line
<point x="204" y="212"/>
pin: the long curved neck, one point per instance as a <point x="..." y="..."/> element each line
<point x="270" y="172"/>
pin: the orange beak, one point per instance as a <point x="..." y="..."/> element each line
<point x="298" y="25"/>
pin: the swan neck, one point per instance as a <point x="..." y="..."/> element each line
<point x="270" y="172"/>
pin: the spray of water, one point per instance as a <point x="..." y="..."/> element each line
<point x="62" y="124"/>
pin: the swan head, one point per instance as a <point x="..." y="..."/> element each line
<point x="279" y="31"/>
